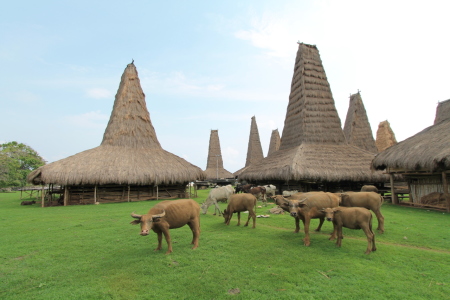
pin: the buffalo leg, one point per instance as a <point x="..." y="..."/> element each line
<point x="297" y="225"/>
<point x="380" y="219"/>
<point x="216" y="207"/>
<point x="370" y="239"/>
<point x="334" y="233"/>
<point x="239" y="218"/>
<point x="195" y="227"/>
<point x="306" y="240"/>
<point x="320" y="224"/>
<point x="159" y="233"/>
<point x="168" y="240"/>
<point x="339" y="236"/>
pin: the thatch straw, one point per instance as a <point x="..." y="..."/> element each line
<point x="274" y="142"/>
<point x="129" y="153"/>
<point x="357" y="129"/>
<point x="385" y="136"/>
<point x="313" y="146"/>
<point x="214" y="166"/>
<point x="428" y="150"/>
<point x="254" y="150"/>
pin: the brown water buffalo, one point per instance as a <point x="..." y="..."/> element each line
<point x="239" y="203"/>
<point x="258" y="192"/>
<point x="309" y="207"/>
<point x="28" y="202"/>
<point x="353" y="218"/>
<point x="369" y="200"/>
<point x="170" y="214"/>
<point x="369" y="188"/>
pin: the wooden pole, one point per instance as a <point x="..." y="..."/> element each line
<point x="128" y="193"/>
<point x="157" y="193"/>
<point x="66" y="195"/>
<point x="42" y="196"/>
<point x="393" y="195"/>
<point x="445" y="187"/>
<point x="95" y="194"/>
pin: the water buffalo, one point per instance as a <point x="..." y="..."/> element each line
<point x="215" y="195"/>
<point x="28" y="202"/>
<point x="258" y="192"/>
<point x="369" y="188"/>
<point x="353" y="218"/>
<point x="369" y="200"/>
<point x="239" y="203"/>
<point x="170" y="214"/>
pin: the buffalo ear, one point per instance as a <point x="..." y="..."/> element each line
<point x="156" y="220"/>
<point x="135" y="222"/>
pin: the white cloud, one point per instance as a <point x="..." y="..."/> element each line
<point x="99" y="93"/>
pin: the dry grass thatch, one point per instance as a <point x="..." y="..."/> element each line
<point x="385" y="136"/>
<point x="214" y="166"/>
<point x="129" y="153"/>
<point x="442" y="111"/>
<point x="357" y="129"/>
<point x="274" y="142"/>
<point x="254" y="150"/>
<point x="313" y="146"/>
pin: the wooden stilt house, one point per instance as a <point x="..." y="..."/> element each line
<point x="129" y="164"/>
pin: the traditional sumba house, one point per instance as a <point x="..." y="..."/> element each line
<point x="423" y="159"/>
<point x="385" y="136"/>
<point x="214" y="166"/>
<point x="357" y="129"/>
<point x="130" y="163"/>
<point x="254" y="151"/>
<point x="274" y="142"/>
<point x="313" y="154"/>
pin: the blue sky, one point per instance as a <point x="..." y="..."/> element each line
<point x="212" y="65"/>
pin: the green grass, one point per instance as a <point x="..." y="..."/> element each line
<point x="92" y="252"/>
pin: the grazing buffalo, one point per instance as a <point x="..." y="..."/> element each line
<point x="28" y="202"/>
<point x="289" y="193"/>
<point x="215" y="195"/>
<point x="170" y="214"/>
<point x="239" y="203"/>
<point x="309" y="207"/>
<point x="369" y="200"/>
<point x="259" y="192"/>
<point x="353" y="218"/>
<point x="270" y="190"/>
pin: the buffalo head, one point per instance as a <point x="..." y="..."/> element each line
<point x="146" y="221"/>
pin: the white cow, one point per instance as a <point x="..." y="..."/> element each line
<point x="217" y="194"/>
<point x="289" y="193"/>
<point x="270" y="190"/>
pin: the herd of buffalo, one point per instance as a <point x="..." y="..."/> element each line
<point x="349" y="209"/>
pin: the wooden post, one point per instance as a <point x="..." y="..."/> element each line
<point x="445" y="187"/>
<point x="95" y="194"/>
<point x="42" y="196"/>
<point x="393" y="195"/>
<point x="157" y="193"/>
<point x="66" y="195"/>
<point x="128" y="193"/>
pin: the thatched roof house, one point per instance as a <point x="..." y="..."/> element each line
<point x="385" y="136"/>
<point x="313" y="152"/>
<point x="214" y="166"/>
<point x="129" y="163"/>
<point x="254" y="151"/>
<point x="357" y="128"/>
<point x="423" y="159"/>
<point x="274" y="142"/>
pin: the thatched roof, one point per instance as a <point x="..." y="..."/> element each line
<point x="313" y="146"/>
<point x="254" y="151"/>
<point x="428" y="150"/>
<point x="130" y="152"/>
<point x="274" y="142"/>
<point x="357" y="129"/>
<point x="385" y="136"/>
<point x="214" y="166"/>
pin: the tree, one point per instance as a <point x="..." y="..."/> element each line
<point x="17" y="160"/>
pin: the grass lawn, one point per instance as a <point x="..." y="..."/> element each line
<point x="92" y="252"/>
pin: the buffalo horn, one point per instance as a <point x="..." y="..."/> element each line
<point x="159" y="215"/>
<point x="133" y="215"/>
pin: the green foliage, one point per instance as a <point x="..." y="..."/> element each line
<point x="17" y="160"/>
<point x="92" y="252"/>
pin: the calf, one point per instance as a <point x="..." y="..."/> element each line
<point x="28" y="202"/>
<point x="238" y="203"/>
<point x="310" y="208"/>
<point x="369" y="200"/>
<point x="170" y="214"/>
<point x="353" y="218"/>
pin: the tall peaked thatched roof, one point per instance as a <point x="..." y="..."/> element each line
<point x="130" y="152"/>
<point x="357" y="129"/>
<point x="254" y="151"/>
<point x="214" y="166"/>
<point x="428" y="150"/>
<point x="385" y="136"/>
<point x="274" y="142"/>
<point x="313" y="146"/>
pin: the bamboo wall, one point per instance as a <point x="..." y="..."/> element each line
<point x="424" y="185"/>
